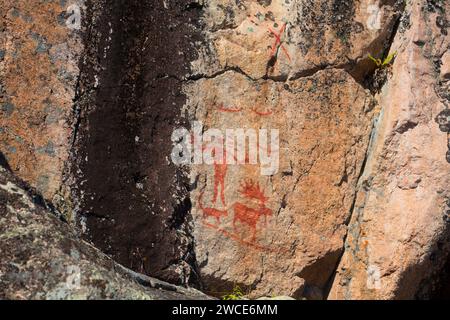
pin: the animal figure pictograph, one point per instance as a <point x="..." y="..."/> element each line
<point x="248" y="214"/>
<point x="253" y="205"/>
<point x="251" y="215"/>
<point x="211" y="212"/>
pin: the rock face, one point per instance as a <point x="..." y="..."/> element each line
<point x="398" y="237"/>
<point x="43" y="258"/>
<point x="280" y="66"/>
<point x="297" y="242"/>
<point x="285" y="39"/>
<point x="40" y="49"/>
<point x="128" y="104"/>
<point x="344" y="194"/>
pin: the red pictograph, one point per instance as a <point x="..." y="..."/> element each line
<point x="211" y="212"/>
<point x="278" y="43"/>
<point x="220" y="173"/>
<point x="237" y="110"/>
<point x="222" y="108"/>
<point x="250" y="215"/>
<point x="262" y="113"/>
<point x="252" y="208"/>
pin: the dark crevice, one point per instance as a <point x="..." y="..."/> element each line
<point x="316" y="282"/>
<point x="375" y="79"/>
<point x="180" y="213"/>
<point x="309" y="72"/>
<point x="361" y="186"/>
<point x="196" y="77"/>
<point x="279" y="78"/>
<point x="435" y="264"/>
<point x="365" y="185"/>
<point x="440" y="282"/>
<point x="3" y="162"/>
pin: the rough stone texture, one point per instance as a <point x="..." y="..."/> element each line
<point x="445" y="65"/>
<point x="284" y="65"/>
<point x="398" y="238"/>
<point x="309" y="197"/>
<point x="314" y="35"/>
<point x="128" y="103"/>
<point x="43" y="258"/>
<point x="38" y="73"/>
<point x="359" y="207"/>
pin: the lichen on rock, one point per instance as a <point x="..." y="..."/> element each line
<point x="93" y="92"/>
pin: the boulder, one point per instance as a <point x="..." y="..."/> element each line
<point x="43" y="258"/>
<point x="398" y="238"/>
<point x="344" y="194"/>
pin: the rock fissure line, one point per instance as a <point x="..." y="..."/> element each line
<point x="363" y="168"/>
<point x="352" y="210"/>
<point x="283" y="78"/>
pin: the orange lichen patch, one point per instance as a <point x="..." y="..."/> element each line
<point x="38" y="72"/>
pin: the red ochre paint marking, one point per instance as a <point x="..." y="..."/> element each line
<point x="237" y="238"/>
<point x="220" y="173"/>
<point x="244" y="214"/>
<point x="211" y="212"/>
<point x="278" y="42"/>
<point x="223" y="109"/>
<point x="251" y="216"/>
<point x="262" y="113"/>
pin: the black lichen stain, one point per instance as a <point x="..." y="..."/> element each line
<point x="265" y="3"/>
<point x="343" y="12"/>
<point x="443" y="120"/>
<point x="316" y="17"/>
<point x="3" y="162"/>
<point x="129" y="190"/>
<point x="438" y="7"/>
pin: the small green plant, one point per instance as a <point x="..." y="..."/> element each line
<point x="383" y="63"/>
<point x="237" y="294"/>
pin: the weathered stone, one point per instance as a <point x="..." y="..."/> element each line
<point x="324" y="123"/>
<point x="356" y="206"/>
<point x="43" y="258"/>
<point x="398" y="235"/>
<point x="445" y="68"/>
<point x="292" y="38"/>
<point x="129" y="103"/>
<point x="38" y="71"/>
